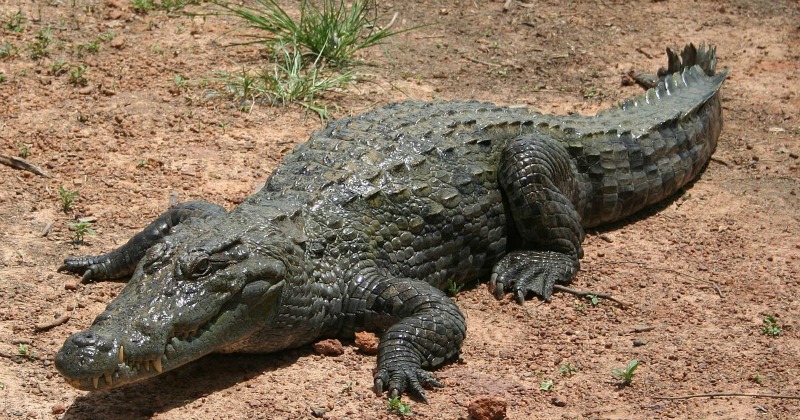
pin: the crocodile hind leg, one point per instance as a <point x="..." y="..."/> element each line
<point x="122" y="261"/>
<point x="421" y="329"/>
<point x="541" y="184"/>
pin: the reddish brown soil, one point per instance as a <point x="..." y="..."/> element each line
<point x="701" y="272"/>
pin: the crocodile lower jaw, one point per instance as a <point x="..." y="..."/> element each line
<point x="132" y="369"/>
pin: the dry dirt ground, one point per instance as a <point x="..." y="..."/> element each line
<point x="700" y="273"/>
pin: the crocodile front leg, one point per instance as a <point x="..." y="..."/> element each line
<point x="541" y="185"/>
<point x="122" y="261"/>
<point x="421" y="329"/>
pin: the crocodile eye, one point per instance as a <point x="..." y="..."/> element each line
<point x="195" y="265"/>
<point x="201" y="268"/>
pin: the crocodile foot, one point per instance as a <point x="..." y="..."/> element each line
<point x="405" y="377"/>
<point x="526" y="273"/>
<point x="90" y="267"/>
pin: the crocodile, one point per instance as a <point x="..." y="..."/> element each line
<point x="365" y="225"/>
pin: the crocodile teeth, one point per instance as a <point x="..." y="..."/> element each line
<point x="107" y="377"/>
<point x="147" y="365"/>
<point x="95" y="381"/>
<point x="157" y="365"/>
<point x="121" y="354"/>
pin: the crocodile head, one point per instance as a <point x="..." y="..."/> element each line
<point x="201" y="290"/>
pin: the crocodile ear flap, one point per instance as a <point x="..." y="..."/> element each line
<point x="265" y="275"/>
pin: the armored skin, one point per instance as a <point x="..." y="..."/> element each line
<point x="363" y="226"/>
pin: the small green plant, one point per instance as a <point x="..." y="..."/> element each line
<point x="24" y="150"/>
<point x="24" y="351"/>
<point x="566" y="369"/>
<point x="593" y="299"/>
<point x="327" y="29"/>
<point x="771" y="326"/>
<point x="286" y="82"/>
<point x="77" y="76"/>
<point x="180" y="81"/>
<point x="39" y="47"/>
<point x="59" y="67"/>
<point x="14" y="22"/>
<point x="143" y="164"/>
<point x="396" y="406"/>
<point x="546" y="385"/>
<point x="290" y="82"/>
<point x="142" y="6"/>
<point x="2" y="77"/>
<point x="146" y="6"/>
<point x="580" y="307"/>
<point x="107" y="36"/>
<point x="67" y="197"/>
<point x="79" y="231"/>
<point x="8" y="49"/>
<point x="626" y="375"/>
<point x="757" y="378"/>
<point x="348" y="388"/>
<point x="92" y="47"/>
<point x="454" y="287"/>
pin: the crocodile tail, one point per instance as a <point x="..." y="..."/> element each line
<point x="690" y="79"/>
<point x="646" y="148"/>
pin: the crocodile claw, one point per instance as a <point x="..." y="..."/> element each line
<point x="405" y="379"/>
<point x="527" y="273"/>
<point x="88" y="267"/>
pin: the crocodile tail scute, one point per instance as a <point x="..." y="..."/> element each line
<point x="704" y="57"/>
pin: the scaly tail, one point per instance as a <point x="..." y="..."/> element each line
<point x="645" y="149"/>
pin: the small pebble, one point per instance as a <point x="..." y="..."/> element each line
<point x="330" y="347"/>
<point x="59" y="408"/>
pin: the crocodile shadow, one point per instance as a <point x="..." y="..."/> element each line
<point x="179" y="387"/>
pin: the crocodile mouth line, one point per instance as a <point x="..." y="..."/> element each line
<point x="131" y="369"/>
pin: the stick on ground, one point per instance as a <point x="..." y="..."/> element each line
<point x="47" y="325"/>
<point x="22" y="164"/>
<point x="584" y="293"/>
<point x="727" y="394"/>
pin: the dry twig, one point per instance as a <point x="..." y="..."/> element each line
<point x="712" y="283"/>
<point x="482" y="62"/>
<point x="22" y="164"/>
<point x="56" y="322"/>
<point x="727" y="394"/>
<point x="583" y="293"/>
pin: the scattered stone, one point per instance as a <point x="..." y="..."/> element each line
<point x="318" y="412"/>
<point x="367" y="342"/>
<point x="47" y="228"/>
<point x="71" y="285"/>
<point x="87" y="219"/>
<point x="58" y="408"/>
<point x="488" y="408"/>
<point x="118" y="42"/>
<point x="329" y="347"/>
<point x="638" y="342"/>
<point x="558" y="401"/>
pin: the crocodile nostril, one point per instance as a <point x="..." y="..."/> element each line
<point x="85" y="339"/>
